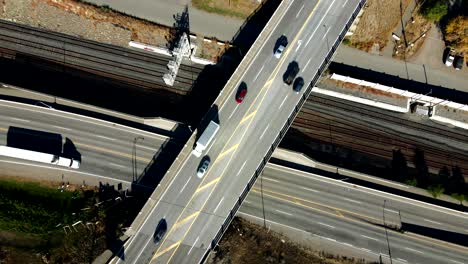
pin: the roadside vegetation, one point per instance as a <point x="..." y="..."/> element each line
<point x="233" y="8"/>
<point x="448" y="181"/>
<point x="44" y="224"/>
<point x="248" y="243"/>
<point x="434" y="10"/>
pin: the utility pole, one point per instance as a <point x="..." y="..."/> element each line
<point x="263" y="204"/>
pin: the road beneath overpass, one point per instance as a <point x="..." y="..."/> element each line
<point x="109" y="152"/>
<point x="195" y="209"/>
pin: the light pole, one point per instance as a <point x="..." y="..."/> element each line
<point x="326" y="37"/>
<point x="134" y="157"/>
<point x="386" y="233"/>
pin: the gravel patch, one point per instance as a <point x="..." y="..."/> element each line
<point x="40" y="14"/>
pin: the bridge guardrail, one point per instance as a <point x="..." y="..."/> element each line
<point x="283" y="131"/>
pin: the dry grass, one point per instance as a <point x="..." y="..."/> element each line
<point x="234" y="8"/>
<point x="247" y="243"/>
<point x="379" y="19"/>
<point x="414" y="36"/>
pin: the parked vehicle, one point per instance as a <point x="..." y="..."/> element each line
<point x="205" y="138"/>
<point x="298" y="84"/>
<point x="449" y="58"/>
<point x="291" y="72"/>
<point x="458" y="62"/>
<point x="39" y="157"/>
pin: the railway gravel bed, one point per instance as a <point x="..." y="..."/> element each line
<point x="331" y="127"/>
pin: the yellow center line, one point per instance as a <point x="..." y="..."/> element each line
<point x="181" y="222"/>
<point x="412" y="235"/>
<point x="294" y="198"/>
<point x="176" y="244"/>
<point x="227" y="151"/>
<point x="339" y="213"/>
<point x="264" y="89"/>
<point x="248" y="116"/>
<point x="208" y="185"/>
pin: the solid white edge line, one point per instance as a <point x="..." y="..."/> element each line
<point x="80" y="118"/>
<point x="269" y="179"/>
<point x="373" y="191"/>
<point x="283" y="212"/>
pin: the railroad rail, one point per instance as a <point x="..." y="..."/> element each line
<point x="134" y="67"/>
<point x="334" y="129"/>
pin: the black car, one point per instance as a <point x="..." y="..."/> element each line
<point x="160" y="231"/>
<point x="298" y="84"/>
<point x="458" y="62"/>
<point x="291" y="72"/>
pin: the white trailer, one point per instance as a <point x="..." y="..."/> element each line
<point x="205" y="138"/>
<point x="38" y="157"/>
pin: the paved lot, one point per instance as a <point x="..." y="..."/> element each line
<point x="163" y="11"/>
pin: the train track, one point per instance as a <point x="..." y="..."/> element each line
<point x="130" y="66"/>
<point x="334" y="129"/>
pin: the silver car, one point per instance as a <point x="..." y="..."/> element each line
<point x="203" y="168"/>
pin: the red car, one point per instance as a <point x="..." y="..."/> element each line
<point x="241" y="93"/>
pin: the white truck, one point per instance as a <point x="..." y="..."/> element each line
<point x="205" y="138"/>
<point x="38" y="157"/>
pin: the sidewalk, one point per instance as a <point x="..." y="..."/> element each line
<point x="163" y="11"/>
<point x="410" y="71"/>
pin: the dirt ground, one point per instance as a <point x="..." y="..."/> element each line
<point x="416" y="34"/>
<point x="380" y="17"/>
<point x="247" y="243"/>
<point x="235" y="8"/>
<point x="90" y="22"/>
<point x="51" y="184"/>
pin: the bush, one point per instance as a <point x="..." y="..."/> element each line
<point x="455" y="35"/>
<point x="434" y="10"/>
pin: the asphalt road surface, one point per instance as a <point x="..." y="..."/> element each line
<point x="339" y="218"/>
<point x="194" y="208"/>
<point x="107" y="150"/>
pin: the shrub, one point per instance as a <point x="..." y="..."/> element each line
<point x="434" y="10"/>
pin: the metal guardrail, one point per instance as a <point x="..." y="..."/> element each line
<point x="285" y="128"/>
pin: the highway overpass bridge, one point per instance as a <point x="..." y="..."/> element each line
<point x="198" y="211"/>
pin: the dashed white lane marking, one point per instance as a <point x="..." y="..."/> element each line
<point x="283" y="212"/>
<point x="414" y="250"/>
<point x="403" y="260"/>
<point x="108" y="138"/>
<point x="233" y="111"/>
<point x="264" y="131"/>
<point x="329" y="226"/>
<point x="243" y="164"/>
<point x="117" y="165"/>
<point x="196" y="240"/>
<point x="260" y="71"/>
<point x="351" y="200"/>
<point x="218" y="204"/>
<point x="269" y="179"/>
<point x="181" y="190"/>
<point x="393" y="211"/>
<point x="300" y="10"/>
<point x="309" y="189"/>
<point x="434" y="222"/>
<point x="282" y="102"/>
<point x="64" y="128"/>
<point x="307" y="64"/>
<point x="20" y="119"/>
<point x="370" y="238"/>
<point x="325" y="33"/>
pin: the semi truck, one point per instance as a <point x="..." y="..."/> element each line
<point x="205" y="138"/>
<point x="39" y="157"/>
